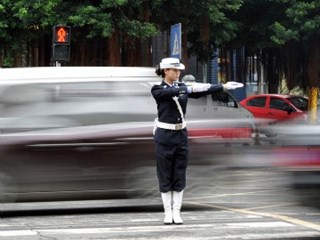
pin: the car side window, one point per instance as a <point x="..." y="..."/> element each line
<point x="257" y="102"/>
<point x="277" y="103"/>
<point x="224" y="99"/>
<point x="95" y="91"/>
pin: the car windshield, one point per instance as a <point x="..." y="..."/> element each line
<point x="299" y="102"/>
<point x="224" y="99"/>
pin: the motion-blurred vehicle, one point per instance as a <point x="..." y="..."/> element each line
<point x="86" y="132"/>
<point x="276" y="107"/>
<point x="297" y="152"/>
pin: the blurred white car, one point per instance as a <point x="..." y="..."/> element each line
<point x="86" y="132"/>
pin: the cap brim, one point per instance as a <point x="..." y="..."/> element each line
<point x="178" y="66"/>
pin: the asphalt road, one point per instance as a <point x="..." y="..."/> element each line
<point x="230" y="204"/>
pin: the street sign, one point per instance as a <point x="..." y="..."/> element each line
<point x="175" y="41"/>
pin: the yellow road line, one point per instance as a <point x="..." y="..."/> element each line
<point x="270" y="206"/>
<point x="233" y="194"/>
<point x="263" y="214"/>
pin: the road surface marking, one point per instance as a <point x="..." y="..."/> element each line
<point x="274" y="224"/>
<point x="231" y="194"/>
<point x="264" y="214"/>
<point x="248" y="236"/>
<point x="270" y="206"/>
<point x="12" y="233"/>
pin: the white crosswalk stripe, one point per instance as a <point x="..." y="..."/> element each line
<point x="144" y="228"/>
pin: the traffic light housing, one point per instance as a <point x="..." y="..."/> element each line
<point x="61" y="43"/>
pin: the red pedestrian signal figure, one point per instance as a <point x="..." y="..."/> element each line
<point x="61" y="34"/>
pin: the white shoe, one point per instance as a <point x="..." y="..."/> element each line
<point x="177" y="202"/>
<point x="176" y="217"/>
<point x="167" y="205"/>
<point x="168" y="218"/>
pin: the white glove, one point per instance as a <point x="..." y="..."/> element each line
<point x="200" y="87"/>
<point x="232" y="85"/>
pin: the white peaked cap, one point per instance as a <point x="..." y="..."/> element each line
<point x="173" y="63"/>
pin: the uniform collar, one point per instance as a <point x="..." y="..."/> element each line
<point x="164" y="83"/>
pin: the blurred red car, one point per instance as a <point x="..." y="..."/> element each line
<point x="276" y="107"/>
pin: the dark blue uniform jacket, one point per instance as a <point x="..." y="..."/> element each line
<point x="168" y="111"/>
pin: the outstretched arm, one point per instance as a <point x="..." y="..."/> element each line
<point x="203" y="89"/>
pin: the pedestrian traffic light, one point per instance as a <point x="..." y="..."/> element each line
<point x="62" y="34"/>
<point x="61" y="43"/>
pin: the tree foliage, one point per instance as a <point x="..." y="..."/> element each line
<point x="299" y="32"/>
<point x="207" y="24"/>
<point x="102" y="18"/>
<point x="23" y="22"/>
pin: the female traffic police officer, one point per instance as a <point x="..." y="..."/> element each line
<point x="171" y="137"/>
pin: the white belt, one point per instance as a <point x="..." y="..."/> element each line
<point x="171" y="126"/>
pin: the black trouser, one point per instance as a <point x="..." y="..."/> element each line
<point x="172" y="160"/>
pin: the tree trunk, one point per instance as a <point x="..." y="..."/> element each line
<point x="114" y="50"/>
<point x="313" y="102"/>
<point x="313" y="77"/>
<point x="83" y="52"/>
